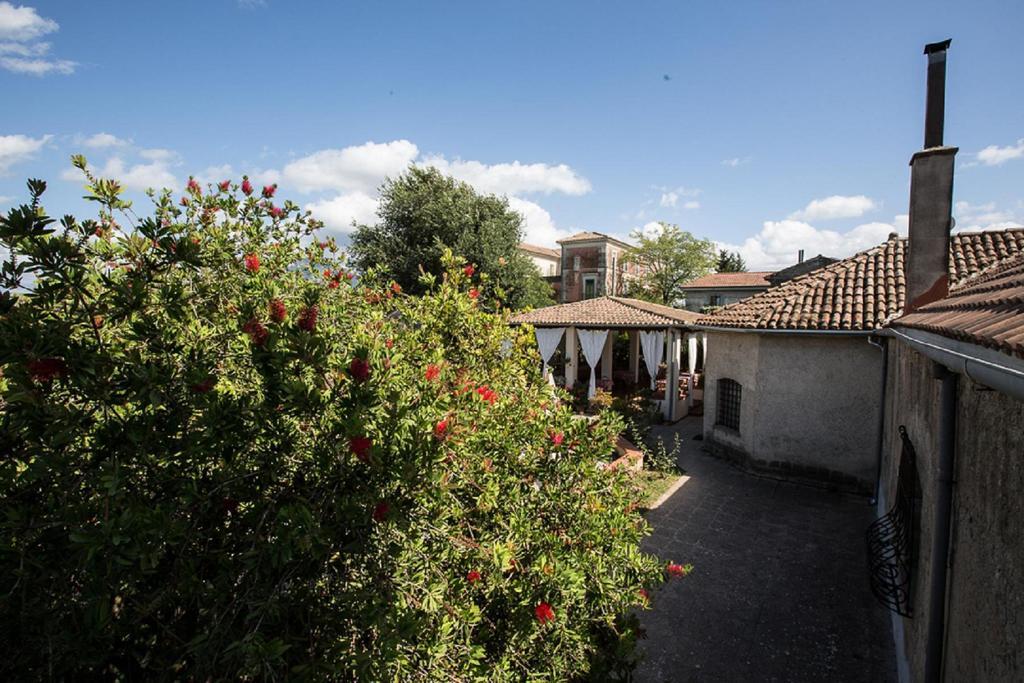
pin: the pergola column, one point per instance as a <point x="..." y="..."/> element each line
<point x="691" y="364"/>
<point x="570" y="357"/>
<point x="634" y="354"/>
<point x="606" y="355"/>
<point x="672" y="374"/>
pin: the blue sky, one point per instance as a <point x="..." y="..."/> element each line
<point x="767" y="126"/>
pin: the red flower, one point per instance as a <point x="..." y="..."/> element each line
<point x="359" y="369"/>
<point x="184" y="201"/>
<point x="645" y="595"/>
<point x="557" y="438"/>
<point x="193" y="186"/>
<point x="389" y="343"/>
<point x="677" y="570"/>
<point x="396" y="288"/>
<point x="307" y="318"/>
<point x="333" y="284"/>
<point x="474" y="293"/>
<point x="380" y="511"/>
<point x="469" y="270"/>
<point x="360" y="447"/>
<point x="256" y="331"/>
<point x="277" y="311"/>
<point x="268" y="190"/>
<point x="205" y="386"/>
<point x="487" y="394"/>
<point x="252" y="262"/>
<point x="46" y="369"/>
<point x="224" y="185"/>
<point x="246" y="187"/>
<point x="440" y="429"/>
<point x="544" y="613"/>
<point x="473" y="576"/>
<point x="432" y="372"/>
<point x="276" y="211"/>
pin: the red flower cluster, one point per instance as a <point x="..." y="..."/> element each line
<point x="487" y="394"/>
<point x="47" y="369"/>
<point x="269" y="190"/>
<point x="380" y="511"/>
<point x="469" y="270"/>
<point x="441" y="429"/>
<point x="256" y="331"/>
<point x="246" y="187"/>
<point x="396" y="288"/>
<point x="224" y="185"/>
<point x="473" y="576"/>
<point x="474" y="293"/>
<point x="360" y="447"/>
<point x="252" y="262"/>
<point x="432" y="372"/>
<point x="676" y="570"/>
<point x="193" y="186"/>
<point x="544" y="613"/>
<point x="307" y="318"/>
<point x="359" y="370"/>
<point x="277" y="311"/>
<point x="645" y="595"/>
<point x="557" y="438"/>
<point x="276" y="211"/>
<point x="184" y="201"/>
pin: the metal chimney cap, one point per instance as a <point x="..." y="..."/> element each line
<point x="937" y="47"/>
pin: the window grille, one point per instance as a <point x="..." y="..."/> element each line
<point x="729" y="396"/>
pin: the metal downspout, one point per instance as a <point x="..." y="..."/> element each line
<point x="941" y="532"/>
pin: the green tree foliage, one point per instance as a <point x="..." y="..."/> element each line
<point x="730" y="262"/>
<point x="423" y="213"/>
<point x="220" y="459"/>
<point x="669" y="259"/>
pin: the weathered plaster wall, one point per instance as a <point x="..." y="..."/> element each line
<point x="985" y="613"/>
<point x="810" y="404"/>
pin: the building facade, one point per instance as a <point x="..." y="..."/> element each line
<point x="587" y="265"/>
<point x="721" y="289"/>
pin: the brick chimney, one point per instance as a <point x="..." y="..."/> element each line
<point x="931" y="195"/>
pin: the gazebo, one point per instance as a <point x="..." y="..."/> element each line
<point x="658" y="330"/>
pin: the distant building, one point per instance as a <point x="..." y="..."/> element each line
<point x="588" y="265"/>
<point x="722" y="289"/>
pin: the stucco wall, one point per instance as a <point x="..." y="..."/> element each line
<point x="546" y="266"/>
<point x="810" y="403"/>
<point x="985" y="636"/>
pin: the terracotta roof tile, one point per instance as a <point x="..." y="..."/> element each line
<point x="591" y="236"/>
<point x="987" y="309"/>
<point x="860" y="293"/>
<point x="607" y="312"/>
<point x="757" y="278"/>
<point x="542" y="251"/>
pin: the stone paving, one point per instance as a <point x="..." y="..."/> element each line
<point x="779" y="590"/>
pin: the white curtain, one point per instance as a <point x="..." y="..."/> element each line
<point x="592" y="343"/>
<point x="691" y="353"/>
<point x="547" y="344"/>
<point x="653" y="344"/>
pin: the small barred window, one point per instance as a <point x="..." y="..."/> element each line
<point x="729" y="395"/>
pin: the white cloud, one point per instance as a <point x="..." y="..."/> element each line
<point x="777" y="244"/>
<point x="652" y="229"/>
<point x="100" y="140"/>
<point x="735" y="161"/>
<point x="215" y="174"/>
<point x="669" y="199"/>
<point x="994" y="155"/>
<point x="20" y="27"/>
<point x="514" y="178"/>
<point x="360" y="167"/>
<point x="154" y="175"/>
<point x="23" y="23"/>
<point x="692" y="204"/>
<point x="5" y="200"/>
<point x="836" y="206"/>
<point x="158" y="154"/>
<point x="18" y="148"/>
<point x="340" y="213"/>
<point x="977" y="217"/>
<point x="538" y="226"/>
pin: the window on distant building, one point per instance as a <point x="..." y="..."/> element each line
<point x="729" y="396"/>
<point x="715" y="300"/>
<point x="575" y="262"/>
<point x="589" y="286"/>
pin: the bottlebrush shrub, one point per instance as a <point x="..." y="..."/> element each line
<point x="221" y="459"/>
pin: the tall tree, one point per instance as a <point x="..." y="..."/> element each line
<point x="422" y="212"/>
<point x="730" y="262"/>
<point x="668" y="260"/>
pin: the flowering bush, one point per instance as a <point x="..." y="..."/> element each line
<point x="222" y="458"/>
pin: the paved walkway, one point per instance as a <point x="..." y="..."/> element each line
<point x="779" y="590"/>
